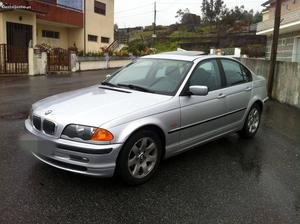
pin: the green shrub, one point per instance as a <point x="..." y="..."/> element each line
<point x="80" y="53"/>
<point x="136" y="47"/>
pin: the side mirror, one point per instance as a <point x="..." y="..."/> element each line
<point x="198" y="90"/>
<point x="107" y="76"/>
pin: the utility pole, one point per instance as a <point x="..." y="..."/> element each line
<point x="154" y="24"/>
<point x="274" y="47"/>
<point x="84" y="28"/>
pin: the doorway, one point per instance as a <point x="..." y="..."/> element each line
<point x="18" y="37"/>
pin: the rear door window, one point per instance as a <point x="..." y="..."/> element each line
<point x="235" y="73"/>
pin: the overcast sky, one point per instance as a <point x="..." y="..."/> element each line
<point x="130" y="13"/>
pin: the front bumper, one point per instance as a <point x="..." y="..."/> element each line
<point x="77" y="157"/>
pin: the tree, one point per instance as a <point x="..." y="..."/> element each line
<point x="189" y="20"/>
<point x="212" y="10"/>
<point x="239" y="13"/>
<point x="180" y="14"/>
<point x="258" y="17"/>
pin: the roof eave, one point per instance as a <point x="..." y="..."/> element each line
<point x="267" y="3"/>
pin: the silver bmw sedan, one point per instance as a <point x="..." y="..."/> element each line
<point x="156" y="107"/>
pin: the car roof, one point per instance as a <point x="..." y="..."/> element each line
<point x="184" y="55"/>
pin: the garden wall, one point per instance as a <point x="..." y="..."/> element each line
<point x="96" y="63"/>
<point x="286" y="86"/>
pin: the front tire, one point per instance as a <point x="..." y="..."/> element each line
<point x="252" y="122"/>
<point x="140" y="157"/>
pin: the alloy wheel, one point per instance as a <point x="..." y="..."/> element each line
<point x="253" y="120"/>
<point x="142" y="158"/>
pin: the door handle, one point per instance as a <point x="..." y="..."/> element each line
<point x="221" y="96"/>
<point x="249" y="88"/>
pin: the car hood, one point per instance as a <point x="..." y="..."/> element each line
<point x="95" y="105"/>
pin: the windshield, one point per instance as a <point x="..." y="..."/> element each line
<point x="151" y="75"/>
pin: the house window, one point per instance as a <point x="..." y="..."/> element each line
<point x="100" y="8"/>
<point x="105" y="40"/>
<point x="50" y="34"/>
<point x="74" y="4"/>
<point x="92" y="38"/>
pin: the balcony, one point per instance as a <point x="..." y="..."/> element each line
<point x="289" y="22"/>
<point x="51" y="11"/>
<point x="59" y="14"/>
<point x="71" y="4"/>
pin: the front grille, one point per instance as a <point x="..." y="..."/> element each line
<point x="37" y="122"/>
<point x="48" y="127"/>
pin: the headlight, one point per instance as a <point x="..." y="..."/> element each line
<point x="86" y="133"/>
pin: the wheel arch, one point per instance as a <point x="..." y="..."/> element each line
<point x="156" y="129"/>
<point x="260" y="104"/>
<point x="151" y="127"/>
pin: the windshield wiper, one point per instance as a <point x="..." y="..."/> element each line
<point x="135" y="87"/>
<point x="109" y="84"/>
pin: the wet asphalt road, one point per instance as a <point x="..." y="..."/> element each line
<point x="227" y="181"/>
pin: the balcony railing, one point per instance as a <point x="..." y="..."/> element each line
<point x="286" y="19"/>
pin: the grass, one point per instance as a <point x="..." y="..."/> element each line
<point x="165" y="46"/>
<point x="184" y="34"/>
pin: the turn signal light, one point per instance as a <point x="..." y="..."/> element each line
<point x="102" y="135"/>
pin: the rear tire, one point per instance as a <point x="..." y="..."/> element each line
<point x="140" y="157"/>
<point x="252" y="122"/>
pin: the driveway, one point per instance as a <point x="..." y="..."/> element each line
<point x="226" y="181"/>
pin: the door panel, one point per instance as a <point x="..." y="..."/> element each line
<point x="237" y="101"/>
<point x="199" y="116"/>
<point x="239" y="89"/>
<point x="202" y="116"/>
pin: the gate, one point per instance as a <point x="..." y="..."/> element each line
<point x="13" y="60"/>
<point x="58" y="60"/>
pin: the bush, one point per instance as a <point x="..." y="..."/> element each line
<point x="44" y="47"/>
<point x="91" y="54"/>
<point x="136" y="47"/>
<point x="80" y="53"/>
<point x="121" y="53"/>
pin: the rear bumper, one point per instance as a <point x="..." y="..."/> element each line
<point x="82" y="158"/>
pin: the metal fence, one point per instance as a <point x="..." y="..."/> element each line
<point x="58" y="60"/>
<point x="13" y="60"/>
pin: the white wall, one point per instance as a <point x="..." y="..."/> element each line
<point x="96" y="65"/>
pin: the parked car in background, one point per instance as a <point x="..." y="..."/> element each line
<point x="154" y="108"/>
